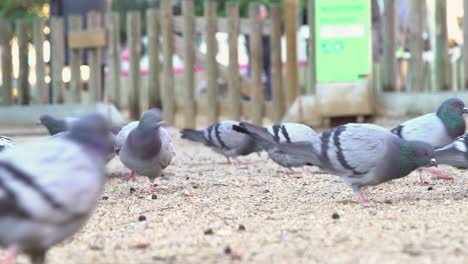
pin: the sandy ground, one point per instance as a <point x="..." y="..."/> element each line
<point x="211" y="212"/>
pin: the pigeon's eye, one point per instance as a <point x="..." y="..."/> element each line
<point x="456" y="104"/>
<point x="425" y="153"/>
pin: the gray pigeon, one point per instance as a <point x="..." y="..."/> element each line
<point x="48" y="188"/>
<point x="145" y="147"/>
<point x="454" y="154"/>
<point x="6" y="143"/>
<point x="55" y="126"/>
<point x="284" y="133"/>
<point x="437" y="129"/>
<point x="223" y="139"/>
<point x="361" y="154"/>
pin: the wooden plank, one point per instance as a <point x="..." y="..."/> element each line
<point x="290" y="15"/>
<point x="257" y="99"/>
<point x="465" y="46"/>
<point x="232" y="11"/>
<point x="416" y="44"/>
<point x="167" y="92"/>
<point x="134" y="47"/>
<point x="76" y="58"/>
<point x="276" y="64"/>
<point x="188" y="10"/>
<point x="223" y="25"/>
<point x="6" y="97"/>
<point x="210" y="67"/>
<point x="24" y="90"/>
<point x="42" y="88"/>
<point x="389" y="66"/>
<point x="113" y="88"/>
<point x="93" y="38"/>
<point x="57" y="59"/>
<point x="312" y="74"/>
<point x="154" y="82"/>
<point x="440" y="51"/>
<point x="95" y="59"/>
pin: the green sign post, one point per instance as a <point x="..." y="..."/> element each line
<point x="342" y="40"/>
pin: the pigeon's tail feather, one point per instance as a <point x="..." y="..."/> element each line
<point x="261" y="135"/>
<point x="451" y="156"/>
<point x="194" y="135"/>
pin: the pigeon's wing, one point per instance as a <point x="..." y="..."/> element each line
<point x="428" y="128"/>
<point x="222" y="135"/>
<point x="167" y="151"/>
<point x="454" y="154"/>
<point x="5" y="143"/>
<point x="123" y="134"/>
<point x="291" y="132"/>
<point x="51" y="181"/>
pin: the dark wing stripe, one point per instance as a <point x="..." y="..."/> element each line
<point x="210" y="138"/>
<point x="339" y="151"/>
<point x="285" y="133"/>
<point x="276" y="129"/>
<point x="325" y="138"/>
<point x="218" y="136"/>
<point x="10" y="205"/>
<point x="397" y="131"/>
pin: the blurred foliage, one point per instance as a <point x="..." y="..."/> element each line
<point x="13" y="9"/>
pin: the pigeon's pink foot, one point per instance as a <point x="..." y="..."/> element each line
<point x="362" y="199"/>
<point x="306" y="169"/>
<point x="10" y="255"/>
<point x="229" y="160"/>
<point x="422" y="183"/>
<point x="131" y="176"/>
<point x="439" y="174"/>
<point x="151" y="189"/>
<point x="239" y="162"/>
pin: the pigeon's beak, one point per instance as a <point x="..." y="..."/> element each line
<point x="434" y="162"/>
<point x="465" y="110"/>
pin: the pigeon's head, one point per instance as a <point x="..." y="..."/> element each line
<point x="453" y="105"/>
<point x="92" y="131"/>
<point x="151" y="119"/>
<point x="418" y="153"/>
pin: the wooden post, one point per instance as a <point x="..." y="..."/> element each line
<point x="465" y="45"/>
<point x="290" y="15"/>
<point x="189" y="63"/>
<point x="38" y="41"/>
<point x="416" y="68"/>
<point x="95" y="60"/>
<point x="153" y="32"/>
<point x="6" y="97"/>
<point x="113" y="91"/>
<point x="257" y="100"/>
<point x="23" y="82"/>
<point x="211" y="64"/>
<point x="440" y="65"/>
<point x="389" y="66"/>
<point x="312" y="80"/>
<point x="167" y="92"/>
<point x="76" y="57"/>
<point x="276" y="64"/>
<point x="57" y="59"/>
<point x="232" y="11"/>
<point x="134" y="47"/>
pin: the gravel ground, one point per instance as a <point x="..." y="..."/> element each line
<point x="207" y="211"/>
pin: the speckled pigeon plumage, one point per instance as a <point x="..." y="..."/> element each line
<point x="48" y="188"/>
<point x="361" y="154"/>
<point x="145" y="147"/>
<point x="454" y="154"/>
<point x="223" y="139"/>
<point x="6" y="143"/>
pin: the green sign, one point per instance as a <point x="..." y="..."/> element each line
<point x="342" y="40"/>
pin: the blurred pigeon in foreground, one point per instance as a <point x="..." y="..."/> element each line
<point x="48" y="188"/>
<point x="223" y="139"/>
<point x="437" y="129"/>
<point x="454" y="154"/>
<point x="55" y="126"/>
<point x="361" y="154"/>
<point x="284" y="133"/>
<point x="6" y="143"/>
<point x="145" y="147"/>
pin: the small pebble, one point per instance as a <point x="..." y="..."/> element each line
<point x="209" y="232"/>
<point x="335" y="216"/>
<point x="142" y="245"/>
<point x="142" y="218"/>
<point x="388" y="202"/>
<point x="430" y="188"/>
<point x="154" y="197"/>
<point x="227" y="250"/>
<point x="105" y="197"/>
<point x="132" y="190"/>
<point x="241" y="228"/>
<point x="96" y="247"/>
<point x="460" y="195"/>
<point x="263" y="190"/>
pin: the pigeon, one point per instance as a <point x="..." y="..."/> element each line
<point x="223" y="139"/>
<point x="285" y="133"/>
<point x="361" y="154"/>
<point x="55" y="126"/>
<point x="48" y="188"/>
<point x="438" y="129"/>
<point x="6" y="143"/>
<point x="145" y="147"/>
<point x="454" y="154"/>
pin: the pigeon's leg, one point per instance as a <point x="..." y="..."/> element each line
<point x="10" y="255"/>
<point x="291" y="170"/>
<point x="151" y="188"/>
<point x="131" y="176"/>
<point x="438" y="174"/>
<point x="229" y="160"/>
<point x="362" y="199"/>
<point x="421" y="182"/>
<point x="306" y="169"/>
<point x="240" y="162"/>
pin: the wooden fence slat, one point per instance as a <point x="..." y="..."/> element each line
<point x="154" y="83"/>
<point x="223" y="24"/>
<point x="256" y="65"/>
<point x="113" y="90"/>
<point x="465" y="46"/>
<point x="134" y="47"/>
<point x="232" y="11"/>
<point x="440" y="65"/>
<point x="188" y="10"/>
<point x="416" y="44"/>
<point x="389" y="66"/>
<point x="57" y="59"/>
<point x="42" y="88"/>
<point x="95" y="60"/>
<point x="167" y="92"/>
<point x="6" y="97"/>
<point x="312" y="74"/>
<point x="276" y="64"/>
<point x="211" y="68"/>
<point x="76" y="58"/>
<point x="290" y="17"/>
<point x="24" y="90"/>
